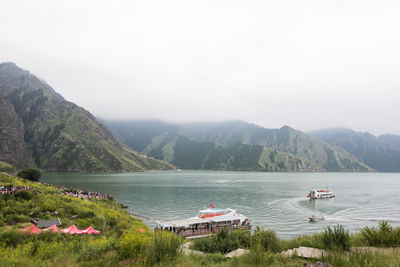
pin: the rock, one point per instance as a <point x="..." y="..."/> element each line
<point x="237" y="253"/>
<point x="187" y="251"/>
<point x="317" y="264"/>
<point x="306" y="252"/>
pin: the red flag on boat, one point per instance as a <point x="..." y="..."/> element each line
<point x="212" y="206"/>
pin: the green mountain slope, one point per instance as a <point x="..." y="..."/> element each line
<point x="234" y="145"/>
<point x="382" y="153"/>
<point x="39" y="127"/>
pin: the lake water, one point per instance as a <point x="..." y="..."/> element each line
<point x="275" y="201"/>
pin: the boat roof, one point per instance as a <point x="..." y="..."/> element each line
<point x="319" y="189"/>
<point x="215" y="210"/>
<point x="228" y="217"/>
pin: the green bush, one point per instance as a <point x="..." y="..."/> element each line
<point x="6" y="167"/>
<point x="257" y="255"/>
<point x="18" y="218"/>
<point x="163" y="247"/>
<point x="96" y="247"/>
<point x="378" y="258"/>
<point x="30" y="174"/>
<point x="267" y="239"/>
<point x="12" y="238"/>
<point x="314" y="241"/>
<point x="336" y="239"/>
<point x="224" y="241"/>
<point x="133" y="244"/>
<point x="23" y="195"/>
<point x="383" y="236"/>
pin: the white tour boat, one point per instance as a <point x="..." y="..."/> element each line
<point x="320" y="193"/>
<point x="208" y="221"/>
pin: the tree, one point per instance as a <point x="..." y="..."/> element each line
<point x="30" y="174"/>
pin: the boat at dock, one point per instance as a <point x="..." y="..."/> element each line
<point x="208" y="221"/>
<point x="320" y="193"/>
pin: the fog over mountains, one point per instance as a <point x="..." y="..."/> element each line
<point x="39" y="128"/>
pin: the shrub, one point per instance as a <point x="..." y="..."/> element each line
<point x="314" y="241"/>
<point x="96" y="247"/>
<point x="383" y="236"/>
<point x="223" y="241"/>
<point x="6" y="167"/>
<point x="17" y="218"/>
<point x="163" y="247"/>
<point x="267" y="239"/>
<point x="133" y="244"/>
<point x="30" y="174"/>
<point x="45" y="250"/>
<point x="23" y="195"/>
<point x="337" y="239"/>
<point x="257" y="255"/>
<point x="12" y="238"/>
<point x="49" y="205"/>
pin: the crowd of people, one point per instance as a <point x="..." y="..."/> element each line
<point x="11" y="189"/>
<point x="84" y="194"/>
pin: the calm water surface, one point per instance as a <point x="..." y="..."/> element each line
<point x="275" y="201"/>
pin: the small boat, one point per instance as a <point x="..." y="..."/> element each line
<point x="320" y="193"/>
<point x="315" y="218"/>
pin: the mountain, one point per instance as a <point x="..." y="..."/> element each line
<point x="233" y="145"/>
<point x="39" y="128"/>
<point x="381" y="153"/>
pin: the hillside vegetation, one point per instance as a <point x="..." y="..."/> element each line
<point x="381" y="153"/>
<point x="233" y="145"/>
<point x="39" y="128"/>
<point x="118" y="241"/>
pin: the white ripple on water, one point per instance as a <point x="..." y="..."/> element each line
<point x="222" y="181"/>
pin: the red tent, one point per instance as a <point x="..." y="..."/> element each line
<point x="90" y="231"/>
<point x="72" y="230"/>
<point x="53" y="229"/>
<point x="142" y="230"/>
<point x="31" y="229"/>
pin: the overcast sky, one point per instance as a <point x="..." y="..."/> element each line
<point x="307" y="64"/>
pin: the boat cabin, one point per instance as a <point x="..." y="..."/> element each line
<point x="203" y="226"/>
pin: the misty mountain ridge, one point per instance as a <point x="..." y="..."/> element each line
<point x="222" y="145"/>
<point x="382" y="153"/>
<point x="39" y="128"/>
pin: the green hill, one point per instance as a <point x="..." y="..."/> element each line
<point x="38" y="127"/>
<point x="233" y="145"/>
<point x="51" y="249"/>
<point x="382" y="153"/>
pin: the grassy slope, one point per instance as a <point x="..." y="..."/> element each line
<point x="56" y="249"/>
<point x="42" y="201"/>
